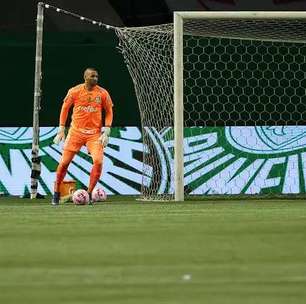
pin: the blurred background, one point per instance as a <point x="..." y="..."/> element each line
<point x="70" y="46"/>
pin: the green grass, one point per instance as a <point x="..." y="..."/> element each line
<point x="138" y="253"/>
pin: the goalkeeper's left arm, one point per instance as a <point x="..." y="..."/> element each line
<point x="108" y="123"/>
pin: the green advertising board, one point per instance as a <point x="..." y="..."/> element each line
<point x="220" y="160"/>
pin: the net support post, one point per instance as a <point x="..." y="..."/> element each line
<point x="36" y="166"/>
<point x="178" y="108"/>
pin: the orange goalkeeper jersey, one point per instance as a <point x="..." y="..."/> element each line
<point x="87" y="108"/>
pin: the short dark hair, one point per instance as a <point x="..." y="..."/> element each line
<point x="91" y="68"/>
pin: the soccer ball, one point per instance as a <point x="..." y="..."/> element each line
<point x="98" y="195"/>
<point x="80" y="197"/>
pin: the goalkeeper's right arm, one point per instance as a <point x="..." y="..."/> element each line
<point x="63" y="117"/>
<point x="60" y="135"/>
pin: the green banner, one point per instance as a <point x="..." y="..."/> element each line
<point x="221" y="160"/>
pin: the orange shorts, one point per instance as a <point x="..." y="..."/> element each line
<point x="75" y="140"/>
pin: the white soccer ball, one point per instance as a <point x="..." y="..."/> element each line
<point x="98" y="195"/>
<point x="80" y="197"/>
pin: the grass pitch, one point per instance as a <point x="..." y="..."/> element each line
<point x="125" y="251"/>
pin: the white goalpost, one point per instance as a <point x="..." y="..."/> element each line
<point x="178" y="62"/>
<point x="36" y="166"/>
<point x="222" y="101"/>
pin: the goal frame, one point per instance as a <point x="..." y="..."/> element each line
<point x="178" y="30"/>
<point x="178" y="77"/>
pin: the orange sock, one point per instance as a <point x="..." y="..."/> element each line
<point x="94" y="175"/>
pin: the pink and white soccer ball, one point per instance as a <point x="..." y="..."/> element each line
<point x="98" y="195"/>
<point x="80" y="197"/>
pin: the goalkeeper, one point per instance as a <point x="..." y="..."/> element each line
<point x="87" y="100"/>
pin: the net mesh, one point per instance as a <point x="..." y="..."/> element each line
<point x="244" y="105"/>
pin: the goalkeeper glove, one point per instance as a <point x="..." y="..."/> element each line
<point x="60" y="135"/>
<point x="104" y="138"/>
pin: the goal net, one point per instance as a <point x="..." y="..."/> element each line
<point x="222" y="103"/>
